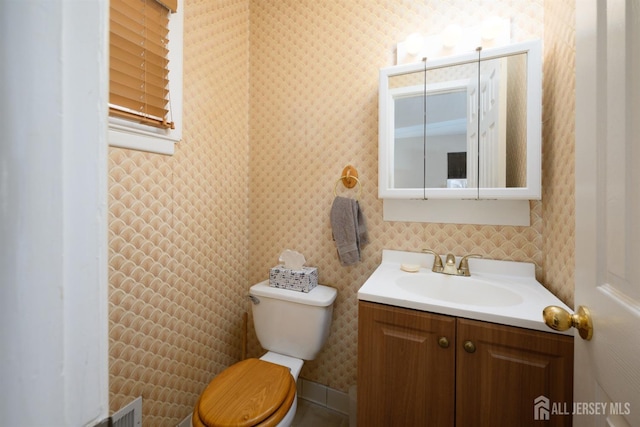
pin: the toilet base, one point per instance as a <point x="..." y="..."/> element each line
<point x="288" y="419"/>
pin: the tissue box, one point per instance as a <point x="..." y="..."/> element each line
<point x="296" y="280"/>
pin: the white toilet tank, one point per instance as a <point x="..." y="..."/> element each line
<point x="292" y="323"/>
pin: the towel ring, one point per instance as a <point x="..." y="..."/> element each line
<point x="342" y="178"/>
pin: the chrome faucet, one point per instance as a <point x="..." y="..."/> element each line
<point x="449" y="266"/>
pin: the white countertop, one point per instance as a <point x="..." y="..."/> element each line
<point x="516" y="277"/>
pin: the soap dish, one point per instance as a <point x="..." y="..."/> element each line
<point x="410" y="268"/>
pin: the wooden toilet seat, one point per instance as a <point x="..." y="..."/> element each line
<point x="250" y="393"/>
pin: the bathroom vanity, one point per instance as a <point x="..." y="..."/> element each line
<point x="425" y="358"/>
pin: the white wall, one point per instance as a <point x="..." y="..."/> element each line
<point x="53" y="248"/>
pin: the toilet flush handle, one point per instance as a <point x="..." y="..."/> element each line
<point x="254" y="299"/>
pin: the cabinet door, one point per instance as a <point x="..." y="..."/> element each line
<point x="497" y="384"/>
<point x="405" y="377"/>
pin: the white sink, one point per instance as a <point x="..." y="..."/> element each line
<point x="503" y="292"/>
<point x="458" y="289"/>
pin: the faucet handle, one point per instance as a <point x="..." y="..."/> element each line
<point x="437" y="261"/>
<point x="463" y="269"/>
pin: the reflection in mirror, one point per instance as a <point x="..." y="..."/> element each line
<point x="408" y="150"/>
<point x="446" y="135"/>
<point x="421" y="161"/>
<point x="492" y="123"/>
<point x="503" y="122"/>
<point x="451" y="106"/>
<point x="516" y="158"/>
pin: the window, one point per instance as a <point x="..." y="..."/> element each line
<point x="145" y="75"/>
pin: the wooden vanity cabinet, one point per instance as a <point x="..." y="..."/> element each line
<point x="405" y="378"/>
<point x="489" y="375"/>
<point x="510" y="367"/>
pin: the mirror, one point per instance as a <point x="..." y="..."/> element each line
<point x="462" y="128"/>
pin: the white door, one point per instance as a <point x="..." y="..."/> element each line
<point x="493" y="124"/>
<point x="607" y="368"/>
<point x="472" y="133"/>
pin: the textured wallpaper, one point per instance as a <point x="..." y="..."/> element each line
<point x="558" y="149"/>
<point x="279" y="96"/>
<point x="179" y="231"/>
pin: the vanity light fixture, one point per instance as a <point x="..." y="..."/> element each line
<point x="492" y="32"/>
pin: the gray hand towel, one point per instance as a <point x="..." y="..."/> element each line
<point x="349" y="229"/>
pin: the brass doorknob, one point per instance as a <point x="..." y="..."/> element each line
<point x="560" y="319"/>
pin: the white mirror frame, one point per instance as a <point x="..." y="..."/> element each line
<point x="532" y="191"/>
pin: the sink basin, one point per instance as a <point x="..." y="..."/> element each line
<point x="458" y="290"/>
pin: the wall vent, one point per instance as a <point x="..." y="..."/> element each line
<point x="129" y="416"/>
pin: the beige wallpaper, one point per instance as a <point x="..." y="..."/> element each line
<point x="179" y="231"/>
<point x="279" y="96"/>
<point x="558" y="149"/>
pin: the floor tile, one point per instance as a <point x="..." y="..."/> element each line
<point x="309" y="414"/>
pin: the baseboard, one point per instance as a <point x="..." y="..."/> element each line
<point x="186" y="422"/>
<point x="323" y="396"/>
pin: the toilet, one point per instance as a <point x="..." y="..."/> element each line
<point x="292" y="326"/>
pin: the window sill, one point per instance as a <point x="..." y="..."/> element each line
<point x="134" y="137"/>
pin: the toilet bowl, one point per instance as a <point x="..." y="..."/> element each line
<point x="293" y="326"/>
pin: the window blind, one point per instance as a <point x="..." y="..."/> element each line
<point x="138" y="64"/>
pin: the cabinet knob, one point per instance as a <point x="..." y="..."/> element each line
<point x="469" y="347"/>
<point x="443" y="342"/>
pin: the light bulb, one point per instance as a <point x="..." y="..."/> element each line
<point x="451" y="36"/>
<point x="491" y="28"/>
<point x="413" y="43"/>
